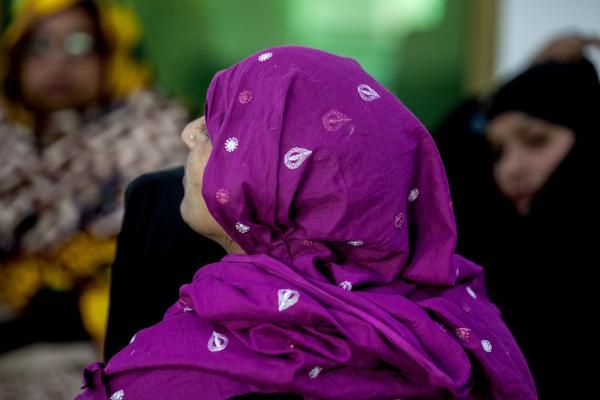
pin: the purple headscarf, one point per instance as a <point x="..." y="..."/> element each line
<point x="350" y="288"/>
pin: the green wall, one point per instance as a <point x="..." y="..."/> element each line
<point x="417" y="48"/>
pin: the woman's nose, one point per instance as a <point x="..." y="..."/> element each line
<point x="515" y="165"/>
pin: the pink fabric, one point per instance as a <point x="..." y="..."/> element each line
<point x="350" y="288"/>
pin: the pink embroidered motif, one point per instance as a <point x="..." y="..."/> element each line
<point x="399" y="220"/>
<point x="463" y="334"/>
<point x="305" y="242"/>
<point x="245" y="97"/>
<point x="222" y="196"/>
<point x="334" y="120"/>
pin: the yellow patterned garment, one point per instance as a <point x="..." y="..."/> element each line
<point x="61" y="193"/>
<point x="75" y="188"/>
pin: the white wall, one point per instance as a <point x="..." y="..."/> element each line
<point x="525" y="26"/>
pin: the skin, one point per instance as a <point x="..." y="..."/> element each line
<point x="567" y="48"/>
<point x="529" y="150"/>
<point x="193" y="207"/>
<point x="55" y="80"/>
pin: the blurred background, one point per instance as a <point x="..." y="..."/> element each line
<point x="432" y="54"/>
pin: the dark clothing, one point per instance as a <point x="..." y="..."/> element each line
<point x="41" y="323"/>
<point x="156" y="254"/>
<point x="538" y="266"/>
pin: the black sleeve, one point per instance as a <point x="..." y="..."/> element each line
<point x="156" y="254"/>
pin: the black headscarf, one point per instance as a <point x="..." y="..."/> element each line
<point x="537" y="266"/>
<point x="566" y="94"/>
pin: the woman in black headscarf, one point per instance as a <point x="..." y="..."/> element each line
<point x="523" y="202"/>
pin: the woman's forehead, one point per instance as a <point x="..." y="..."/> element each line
<point x="75" y="18"/>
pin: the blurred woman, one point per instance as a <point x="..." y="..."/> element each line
<point x="523" y="193"/>
<point x="78" y="121"/>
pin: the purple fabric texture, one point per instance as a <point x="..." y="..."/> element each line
<point x="350" y="288"/>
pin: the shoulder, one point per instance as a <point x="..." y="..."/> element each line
<point x="156" y="183"/>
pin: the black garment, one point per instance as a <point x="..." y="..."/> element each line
<point x="156" y="254"/>
<point x="538" y="267"/>
<point x="42" y="323"/>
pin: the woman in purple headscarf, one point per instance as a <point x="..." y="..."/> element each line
<point x="342" y="281"/>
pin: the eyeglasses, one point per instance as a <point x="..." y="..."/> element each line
<point x="75" y="44"/>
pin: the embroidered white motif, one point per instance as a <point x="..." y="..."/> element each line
<point x="487" y="346"/>
<point x="463" y="334"/>
<point x="346" y="285"/>
<point x="217" y="342"/>
<point x="315" y="372"/>
<point x="334" y="120"/>
<point x="132" y="339"/>
<point x="306" y="242"/>
<point x="367" y="93"/>
<point x="188" y="309"/>
<point x="242" y="228"/>
<point x="413" y="195"/>
<point x="231" y="144"/>
<point x="287" y="298"/>
<point x="295" y="157"/>
<point x="265" y="56"/>
<point x="118" y="395"/>
<point x="356" y="243"/>
<point x="471" y="292"/>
